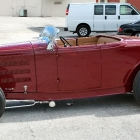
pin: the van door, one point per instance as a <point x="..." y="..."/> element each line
<point x="111" y="18"/>
<point x="98" y="24"/>
<point x="127" y="14"/>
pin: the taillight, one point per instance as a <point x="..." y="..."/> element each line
<point x="67" y="10"/>
<point x="120" y="30"/>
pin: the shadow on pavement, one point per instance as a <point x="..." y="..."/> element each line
<point x="108" y="106"/>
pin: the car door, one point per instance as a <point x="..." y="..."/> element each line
<point x="127" y="14"/>
<point x="46" y="68"/>
<point x="98" y="18"/>
<point x="111" y="18"/>
<point x="116" y="64"/>
<point x="79" y="67"/>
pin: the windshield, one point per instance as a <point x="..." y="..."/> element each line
<point x="135" y="9"/>
<point x="49" y="31"/>
<point x="49" y="34"/>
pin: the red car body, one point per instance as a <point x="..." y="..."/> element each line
<point x="68" y="72"/>
<point x="28" y="71"/>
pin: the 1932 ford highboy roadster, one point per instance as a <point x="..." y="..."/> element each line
<point x="58" y="69"/>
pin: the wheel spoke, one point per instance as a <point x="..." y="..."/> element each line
<point x="83" y="31"/>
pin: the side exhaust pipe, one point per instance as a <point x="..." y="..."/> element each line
<point x="27" y="103"/>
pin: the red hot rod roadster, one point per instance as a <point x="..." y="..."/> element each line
<point x="53" y="69"/>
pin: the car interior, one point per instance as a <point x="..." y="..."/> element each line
<point x="88" y="41"/>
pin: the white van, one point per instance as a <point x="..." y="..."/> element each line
<point x="84" y="18"/>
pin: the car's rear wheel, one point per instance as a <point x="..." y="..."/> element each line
<point x="83" y="30"/>
<point x="136" y="34"/>
<point x="2" y="102"/>
<point x="136" y="87"/>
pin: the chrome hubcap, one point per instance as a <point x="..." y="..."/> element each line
<point x="83" y="31"/>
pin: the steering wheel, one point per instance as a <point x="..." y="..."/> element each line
<point x="65" y="42"/>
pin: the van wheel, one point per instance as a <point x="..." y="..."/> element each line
<point x="2" y="102"/>
<point x="136" y="87"/>
<point x="83" y="30"/>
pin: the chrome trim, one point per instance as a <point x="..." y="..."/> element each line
<point x="9" y="88"/>
<point x="25" y="89"/>
<point x="19" y="106"/>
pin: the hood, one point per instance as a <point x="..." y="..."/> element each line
<point x="19" y="48"/>
<point x="128" y="24"/>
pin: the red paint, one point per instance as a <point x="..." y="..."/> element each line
<point x="136" y="3"/>
<point x="113" y="0"/>
<point x="70" y="73"/>
<point x="46" y="68"/>
<point x="14" y="60"/>
<point x="79" y="68"/>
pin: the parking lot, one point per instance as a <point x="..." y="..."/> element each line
<point x="17" y="29"/>
<point x="101" y="118"/>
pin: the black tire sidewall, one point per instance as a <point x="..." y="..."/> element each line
<point x="2" y="102"/>
<point x="134" y="34"/>
<point x="85" y="26"/>
<point x="136" y="87"/>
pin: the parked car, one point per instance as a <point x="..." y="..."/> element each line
<point x="132" y="29"/>
<point x="52" y="69"/>
<point x="84" y="18"/>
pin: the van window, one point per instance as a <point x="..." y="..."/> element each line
<point x="126" y="10"/>
<point x="98" y="10"/>
<point x="110" y="9"/>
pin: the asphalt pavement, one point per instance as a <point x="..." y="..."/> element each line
<point x="19" y="29"/>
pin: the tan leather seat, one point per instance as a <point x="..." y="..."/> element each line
<point x="104" y="40"/>
<point x="86" y="41"/>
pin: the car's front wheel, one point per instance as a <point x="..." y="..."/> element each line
<point x="136" y="87"/>
<point x="83" y="31"/>
<point x="2" y="102"/>
<point x="136" y="34"/>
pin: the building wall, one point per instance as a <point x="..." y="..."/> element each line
<point x="12" y="7"/>
<point x="58" y="7"/>
<point x="46" y="7"/>
<point x="6" y="9"/>
<point x="136" y="3"/>
<point x="36" y="7"/>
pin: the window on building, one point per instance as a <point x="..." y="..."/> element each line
<point x="98" y="10"/>
<point x="127" y="10"/>
<point x="110" y="9"/>
<point x="102" y="0"/>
